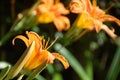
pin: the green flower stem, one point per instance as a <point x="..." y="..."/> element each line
<point x="115" y="66"/>
<point x="72" y="60"/>
<point x="69" y="37"/>
<point x="26" y="22"/>
<point x="6" y="37"/>
<point x="73" y="32"/>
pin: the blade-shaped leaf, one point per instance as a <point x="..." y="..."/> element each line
<point x="72" y="60"/>
<point x="4" y="72"/>
<point x="21" y="62"/>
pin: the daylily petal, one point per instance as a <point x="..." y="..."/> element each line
<point x="76" y="6"/>
<point x="88" y="5"/>
<point x="109" y="18"/>
<point x="97" y="25"/>
<point x="22" y="38"/>
<point x="36" y="60"/>
<point x="60" y="9"/>
<point x="61" y="59"/>
<point x="41" y="9"/>
<point x="44" y="18"/>
<point x="97" y="12"/>
<point x="50" y="58"/>
<point x="108" y="31"/>
<point x="84" y="21"/>
<point x="48" y="2"/>
<point x="62" y="23"/>
<point x="32" y="36"/>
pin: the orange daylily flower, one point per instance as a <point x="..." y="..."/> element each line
<point x="92" y="17"/>
<point x="53" y="11"/>
<point x="40" y="52"/>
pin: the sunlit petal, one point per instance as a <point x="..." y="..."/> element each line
<point x="62" y="59"/>
<point x="88" y="5"/>
<point x="32" y="36"/>
<point x="49" y="3"/>
<point x="36" y="60"/>
<point x="22" y="38"/>
<point x="97" y="12"/>
<point x="41" y="9"/>
<point x="109" y="18"/>
<point x="76" y="6"/>
<point x="108" y="31"/>
<point x="44" y="18"/>
<point x="97" y="25"/>
<point x="84" y="21"/>
<point x="60" y="9"/>
<point x="50" y="58"/>
<point x="62" y="23"/>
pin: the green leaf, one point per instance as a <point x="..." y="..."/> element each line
<point x="57" y="76"/>
<point x="115" y="66"/>
<point x="72" y="60"/>
<point x="21" y="62"/>
<point x="39" y="77"/>
<point x="26" y="22"/>
<point x="4" y="72"/>
<point x="89" y="64"/>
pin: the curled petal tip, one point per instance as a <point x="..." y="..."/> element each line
<point x="61" y="59"/>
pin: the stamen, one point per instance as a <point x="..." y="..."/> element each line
<point x="47" y="43"/>
<point x="109" y="7"/>
<point x="52" y="42"/>
<point x="43" y="42"/>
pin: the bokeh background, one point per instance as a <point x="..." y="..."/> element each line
<point x="101" y="47"/>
